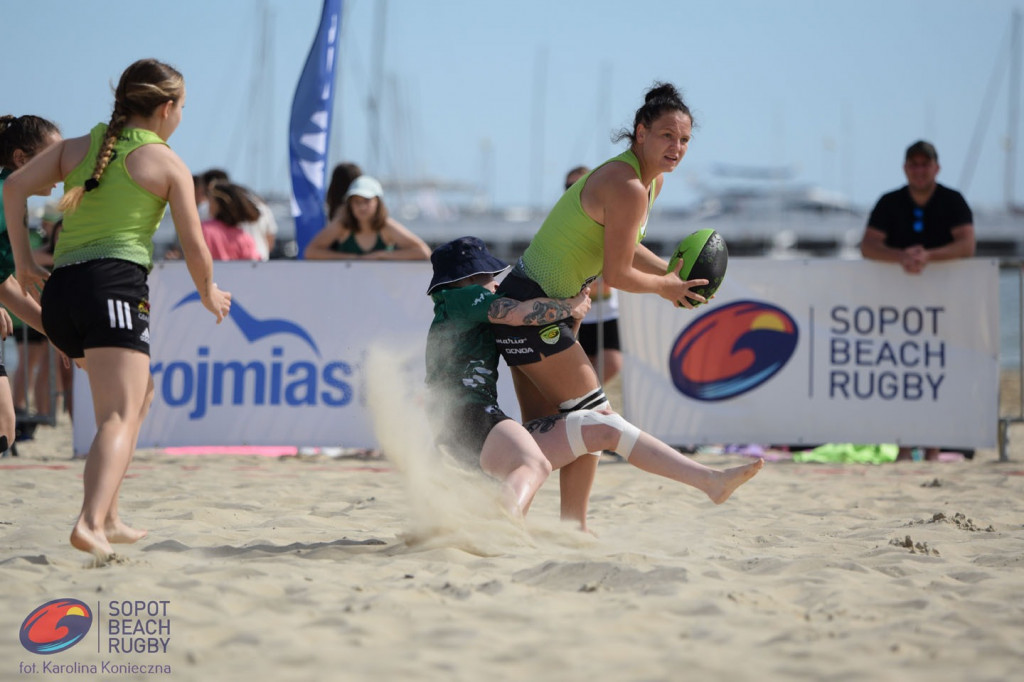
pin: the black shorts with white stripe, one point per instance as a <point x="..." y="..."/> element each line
<point x="97" y="304"/>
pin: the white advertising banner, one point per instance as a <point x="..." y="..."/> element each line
<point x="820" y="351"/>
<point x="789" y="352"/>
<point x="286" y="367"/>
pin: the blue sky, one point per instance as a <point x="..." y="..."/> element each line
<point x="509" y="95"/>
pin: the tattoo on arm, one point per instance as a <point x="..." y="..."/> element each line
<point x="547" y="310"/>
<point x="543" y="424"/>
<point x="500" y="308"/>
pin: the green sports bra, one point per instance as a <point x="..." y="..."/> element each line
<point x="350" y="245"/>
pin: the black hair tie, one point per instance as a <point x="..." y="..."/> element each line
<point x="91" y="184"/>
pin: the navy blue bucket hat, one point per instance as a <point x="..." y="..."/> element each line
<point x="462" y="258"/>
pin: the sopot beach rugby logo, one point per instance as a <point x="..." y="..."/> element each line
<point x="732" y="350"/>
<point x="56" y="626"/>
<point x="133" y="627"/>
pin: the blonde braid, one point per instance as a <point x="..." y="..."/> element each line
<point x="73" y="197"/>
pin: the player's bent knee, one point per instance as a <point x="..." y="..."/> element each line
<point x="575" y="421"/>
<point x="536" y="461"/>
<point x="595" y="400"/>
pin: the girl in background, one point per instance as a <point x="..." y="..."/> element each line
<point x="230" y="206"/>
<point x="342" y="177"/>
<point x="365" y="230"/>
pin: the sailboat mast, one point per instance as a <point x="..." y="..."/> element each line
<point x="604" y="114"/>
<point x="1012" y="124"/>
<point x="377" y="86"/>
<point x="540" y="84"/>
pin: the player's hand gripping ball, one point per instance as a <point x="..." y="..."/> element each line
<point x="704" y="256"/>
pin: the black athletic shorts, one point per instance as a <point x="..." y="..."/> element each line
<point x="100" y="303"/>
<point x="461" y="430"/>
<point x="524" y="345"/>
<point x="588" y="336"/>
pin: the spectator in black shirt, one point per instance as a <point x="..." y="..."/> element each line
<point x="922" y="221"/>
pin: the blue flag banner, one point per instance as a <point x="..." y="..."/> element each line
<point x="310" y="128"/>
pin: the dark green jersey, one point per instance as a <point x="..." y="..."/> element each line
<point x="6" y="253"/>
<point x="462" y="360"/>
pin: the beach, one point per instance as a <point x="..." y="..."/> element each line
<point x="347" y="568"/>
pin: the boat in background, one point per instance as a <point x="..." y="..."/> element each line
<point x="790" y="222"/>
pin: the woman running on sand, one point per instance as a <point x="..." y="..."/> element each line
<point x="118" y="181"/>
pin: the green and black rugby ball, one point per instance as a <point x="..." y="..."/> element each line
<point x="704" y="256"/>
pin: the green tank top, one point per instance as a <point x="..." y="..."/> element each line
<point x="568" y="250"/>
<point x="118" y="218"/>
<point x="6" y="252"/>
<point x="350" y="245"/>
<point x="4" y="173"/>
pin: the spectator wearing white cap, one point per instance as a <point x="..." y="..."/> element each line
<point x="364" y="230"/>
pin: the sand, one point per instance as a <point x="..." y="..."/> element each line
<point x="312" y="568"/>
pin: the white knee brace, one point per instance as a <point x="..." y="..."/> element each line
<point x="595" y="400"/>
<point x="575" y="421"/>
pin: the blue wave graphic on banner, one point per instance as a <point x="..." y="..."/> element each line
<point x="255" y="329"/>
<point x="310" y="128"/>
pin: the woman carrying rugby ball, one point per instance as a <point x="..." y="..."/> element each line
<point x="596" y="229"/>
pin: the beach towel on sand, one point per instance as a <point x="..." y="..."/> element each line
<point x="849" y="452"/>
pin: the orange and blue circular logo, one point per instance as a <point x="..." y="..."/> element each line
<point x="55" y="626"/>
<point x="732" y="350"/>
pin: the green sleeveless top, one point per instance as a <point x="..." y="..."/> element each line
<point x="350" y="245"/>
<point x="4" y="173"/>
<point x="118" y="218"/>
<point x="568" y="250"/>
<point x="6" y="252"/>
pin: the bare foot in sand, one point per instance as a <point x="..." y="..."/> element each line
<point x="86" y="540"/>
<point x="120" y="533"/>
<point x="725" y="482"/>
